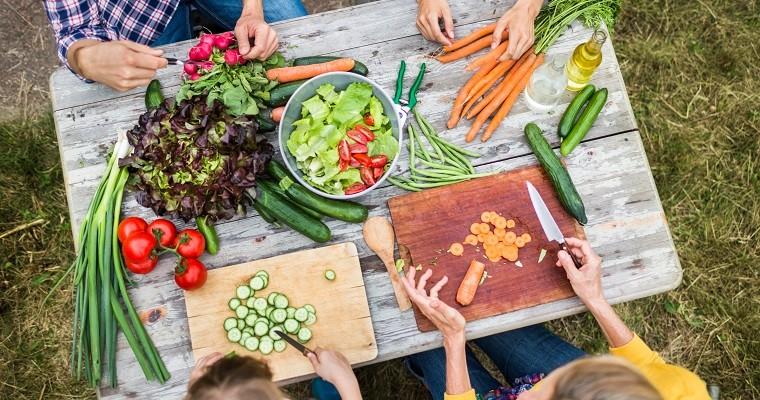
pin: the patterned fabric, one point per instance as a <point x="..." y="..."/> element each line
<point x="140" y="21"/>
<point x="510" y="393"/>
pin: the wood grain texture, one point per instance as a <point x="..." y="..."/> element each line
<point x="427" y="222"/>
<point x="343" y="318"/>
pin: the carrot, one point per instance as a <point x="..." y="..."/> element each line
<point x="473" y="36"/>
<point x="486" y="83"/>
<point x="456" y="111"/>
<point x="277" y="113"/>
<point x="469" y="285"/>
<point x="473" y="47"/>
<point x="511" y="99"/>
<point x="492" y="55"/>
<point x="456" y="249"/>
<point x="510" y="223"/>
<point x="510" y="252"/>
<point x="506" y="85"/>
<point x="290" y="74"/>
<point x="471" y="239"/>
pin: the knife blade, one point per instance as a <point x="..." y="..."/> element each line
<point x="284" y="336"/>
<point x="548" y="224"/>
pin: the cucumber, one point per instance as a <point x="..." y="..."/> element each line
<point x="280" y="94"/>
<point x="330" y="275"/>
<point x="304" y="335"/>
<point x="281" y="192"/>
<point x="250" y="302"/>
<point x="234" y="335"/>
<point x="291" y="326"/>
<point x="291" y="312"/>
<point x="311" y="319"/>
<point x="348" y="211"/>
<point x="310" y="308"/>
<point x="281" y="301"/>
<point x="250" y="320"/>
<point x="266" y="123"/>
<point x="266" y="215"/>
<point x="289" y="214"/>
<point x="564" y="186"/>
<point x="275" y="332"/>
<point x="279" y="346"/>
<point x="252" y="343"/>
<point x="240" y="323"/>
<point x="301" y="315"/>
<point x="585" y="120"/>
<point x="153" y="95"/>
<point x="260" y="305"/>
<point x="243" y="292"/>
<point x="359" y="68"/>
<point x="266" y="345"/>
<point x="260" y="328"/>
<point x="230" y="323"/>
<point x="256" y="283"/>
<point x="270" y="298"/>
<point x="243" y="337"/>
<point x="241" y="311"/>
<point x="571" y="113"/>
<point x="234" y="303"/>
<point x="279" y="315"/>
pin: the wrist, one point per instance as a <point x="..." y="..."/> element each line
<point x="455" y="341"/>
<point x="253" y="8"/>
<point x="76" y="55"/>
<point x="596" y="303"/>
<point x="531" y="7"/>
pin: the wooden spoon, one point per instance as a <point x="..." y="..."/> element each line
<point x="378" y="233"/>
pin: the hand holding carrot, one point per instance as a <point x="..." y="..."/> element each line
<point x="429" y="13"/>
<point x="586" y="280"/>
<point x="518" y="21"/>
<point x="448" y="320"/>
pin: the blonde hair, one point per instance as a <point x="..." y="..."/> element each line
<point x="235" y="378"/>
<point x="602" y="378"/>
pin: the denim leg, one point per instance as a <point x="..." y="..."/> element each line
<point x="528" y="350"/>
<point x="225" y="13"/>
<point x="178" y="28"/>
<point x="430" y="367"/>
<point x="280" y="10"/>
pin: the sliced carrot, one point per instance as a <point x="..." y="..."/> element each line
<point x="490" y="56"/>
<point x="499" y="232"/>
<point x="471" y="37"/>
<point x="456" y="249"/>
<point x="492" y="240"/>
<point x="492" y="216"/>
<point x="510" y="237"/>
<point x="510" y="252"/>
<point x="471" y="239"/>
<point x="505" y="87"/>
<point x="465" y="51"/>
<point x="277" y="113"/>
<point x="290" y="74"/>
<point x="500" y="222"/>
<point x="475" y="228"/>
<point x="492" y="252"/>
<point x="469" y="285"/>
<point x="526" y="237"/>
<point x="496" y="258"/>
<point x="519" y="242"/>
<point x="485" y="216"/>
<point x="506" y="106"/>
<point x="510" y="223"/>
<point x="456" y="110"/>
<point x="485" y="228"/>
<point x="481" y="237"/>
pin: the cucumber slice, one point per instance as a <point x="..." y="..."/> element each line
<point x="234" y="303"/>
<point x="240" y="324"/>
<point x="263" y="274"/>
<point x="241" y="311"/>
<point x="243" y="337"/>
<point x="280" y="301"/>
<point x="250" y="320"/>
<point x="291" y="312"/>
<point x="260" y="328"/>
<point x="260" y="305"/>
<point x="276" y="331"/>
<point x="270" y="298"/>
<point x="279" y="346"/>
<point x="243" y="292"/>
<point x="257" y="283"/>
<point x="279" y="315"/>
<point x="311" y="319"/>
<point x="310" y="308"/>
<point x="252" y="343"/>
<point x="249" y="302"/>
<point x="330" y="275"/>
<point x="268" y="312"/>
<point x="230" y="323"/>
<point x="266" y="345"/>
<point x="249" y="330"/>
<point x="304" y="335"/>
<point x="233" y="335"/>
<point x="291" y="326"/>
<point x="301" y="315"/>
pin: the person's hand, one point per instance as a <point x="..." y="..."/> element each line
<point x="518" y="21"/>
<point x="202" y="365"/>
<point x="429" y="12"/>
<point x="586" y="280"/>
<point x="333" y="367"/>
<point x="448" y="320"/>
<point x="256" y="39"/>
<point x="120" y="64"/>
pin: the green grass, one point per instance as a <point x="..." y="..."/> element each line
<point x="692" y="72"/>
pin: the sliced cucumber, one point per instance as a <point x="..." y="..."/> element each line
<point x="279" y="315"/>
<point x="240" y="324"/>
<point x="276" y="332"/>
<point x="268" y="312"/>
<point x="252" y="343"/>
<point x="291" y="326"/>
<point x="266" y="345"/>
<point x="262" y="273"/>
<point x="256" y="283"/>
<point x="250" y="320"/>
<point x="330" y="275"/>
<point x="249" y="302"/>
<point x="243" y="292"/>
<point x="281" y="301"/>
<point x="311" y="319"/>
<point x="291" y="312"/>
<point x="249" y="330"/>
<point x="301" y="314"/>
<point x="310" y="308"/>
<point x="260" y="305"/>
<point x="243" y="337"/>
<point x="234" y="303"/>
<point x="279" y="346"/>
<point x="260" y="328"/>
<point x="304" y="335"/>
<point x="230" y="323"/>
<point x="234" y="334"/>
<point x="241" y="311"/>
<point x="271" y="297"/>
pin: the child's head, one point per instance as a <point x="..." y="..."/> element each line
<point x="235" y="378"/>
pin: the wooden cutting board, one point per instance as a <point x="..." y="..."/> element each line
<point x="428" y="222"/>
<point x="343" y="319"/>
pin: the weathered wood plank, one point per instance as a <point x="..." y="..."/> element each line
<point x="627" y="227"/>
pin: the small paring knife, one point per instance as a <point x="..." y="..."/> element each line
<point x="174" y="61"/>
<point x="548" y="224"/>
<point x="303" y="349"/>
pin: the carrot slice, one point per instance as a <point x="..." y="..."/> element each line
<point x="456" y="110"/>
<point x="290" y="74"/>
<point x="510" y="237"/>
<point x="500" y="222"/>
<point x="499" y="232"/>
<point x="481" y="237"/>
<point x="465" y="51"/>
<point x="277" y="113"/>
<point x="510" y="223"/>
<point x="456" y="249"/>
<point x="492" y="55"/>
<point x="519" y="242"/>
<point x="492" y="240"/>
<point x="469" y="285"/>
<point x="471" y="239"/>
<point x="485" y="228"/>
<point x="485" y="216"/>
<point x="526" y="237"/>
<point x="510" y="252"/>
<point x="473" y="36"/>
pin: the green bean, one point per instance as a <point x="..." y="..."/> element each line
<point x="441" y="166"/>
<point x="422" y="185"/>
<point x="436" y="174"/>
<point x="427" y="134"/>
<point x="414" y="136"/>
<point x="402" y="185"/>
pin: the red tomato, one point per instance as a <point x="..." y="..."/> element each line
<point x="355" y="188"/>
<point x="130" y="225"/>
<point x="363" y="159"/>
<point x="377" y="172"/>
<point x="142" y="267"/>
<point x="358" y="148"/>
<point x="379" y="161"/>
<point x="357" y="136"/>
<point x="190" y="274"/>
<point x="164" y="230"/>
<point x="190" y="243"/>
<point x="366" y="132"/>
<point x="343" y="151"/>
<point x="369" y="120"/>
<point x="139" y="246"/>
<point x="368" y="177"/>
<point x="342" y="165"/>
<point x="354" y="163"/>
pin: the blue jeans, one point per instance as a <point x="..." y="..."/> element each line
<point x="517" y="353"/>
<point x="224" y="13"/>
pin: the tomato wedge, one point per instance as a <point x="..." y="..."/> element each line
<point x="377" y="173"/>
<point x="363" y="159"/>
<point x="355" y="188"/>
<point x="379" y="161"/>
<point x="369" y="120"/>
<point x="357" y="136"/>
<point x="368" y="177"/>
<point x="344" y="152"/>
<point x="366" y="132"/>
<point x="342" y="165"/>
<point x="358" y="148"/>
<point x="354" y="163"/>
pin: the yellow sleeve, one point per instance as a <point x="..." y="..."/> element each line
<point x="637" y="352"/>
<point x="468" y="395"/>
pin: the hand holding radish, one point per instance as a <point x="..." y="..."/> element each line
<point x="448" y="320"/>
<point x="120" y="64"/>
<point x="586" y="280"/>
<point x="429" y="13"/>
<point x="518" y="21"/>
<point x="256" y="39"/>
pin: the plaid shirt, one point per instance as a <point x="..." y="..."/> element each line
<point x="140" y="21"/>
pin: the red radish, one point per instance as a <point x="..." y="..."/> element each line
<point x="200" y="52"/>
<point x="357" y="137"/>
<point x="207" y="38"/>
<point x="229" y="35"/>
<point x="232" y="57"/>
<point x="378" y="172"/>
<point x="194" y="77"/>
<point x="355" y="188"/>
<point x="190" y="68"/>
<point x="368" y="177"/>
<point x="207" y="65"/>
<point x="358" y="148"/>
<point x="222" y="42"/>
<point x="379" y="161"/>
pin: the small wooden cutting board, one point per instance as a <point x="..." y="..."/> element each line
<point x="428" y="222"/>
<point x="343" y="318"/>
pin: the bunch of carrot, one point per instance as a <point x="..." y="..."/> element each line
<point x="495" y="86"/>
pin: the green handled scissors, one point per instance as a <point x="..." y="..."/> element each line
<point x="406" y="106"/>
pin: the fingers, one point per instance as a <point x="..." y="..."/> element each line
<point x="498" y="32"/>
<point x="437" y="287"/>
<point x="261" y="38"/>
<point x="141" y="48"/>
<point x="448" y="23"/>
<point x="243" y="39"/>
<point x="408" y="283"/>
<point x="567" y="263"/>
<point x="423" y="280"/>
<point x="435" y="30"/>
<point x="146" y="61"/>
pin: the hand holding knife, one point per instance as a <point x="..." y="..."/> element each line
<point x="548" y="224"/>
<point x="303" y="349"/>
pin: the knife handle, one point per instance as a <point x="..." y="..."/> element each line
<point x="575" y="259"/>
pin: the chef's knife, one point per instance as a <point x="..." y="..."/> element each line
<point x="548" y="224"/>
<point x="284" y="336"/>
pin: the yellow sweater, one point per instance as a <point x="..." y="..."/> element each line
<point x="672" y="381"/>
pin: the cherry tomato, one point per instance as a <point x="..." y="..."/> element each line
<point x="377" y="173"/>
<point x="363" y="159"/>
<point x="369" y="120"/>
<point x="366" y="132"/>
<point x="130" y="225"/>
<point x="358" y="148"/>
<point x="368" y="177"/>
<point x="354" y="163"/>
<point x="139" y="246"/>
<point x="342" y="165"/>
<point x="190" y="243"/>
<point x="164" y="230"/>
<point x="343" y="151"/>
<point x="357" y="136"/>
<point x="355" y="188"/>
<point x="379" y="161"/>
<point x="190" y="274"/>
<point x="144" y="266"/>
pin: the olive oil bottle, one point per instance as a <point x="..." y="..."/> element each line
<point x="584" y="61"/>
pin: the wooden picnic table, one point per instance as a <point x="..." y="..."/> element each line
<point x="627" y="225"/>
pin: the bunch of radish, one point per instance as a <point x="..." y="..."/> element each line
<point x="212" y="50"/>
